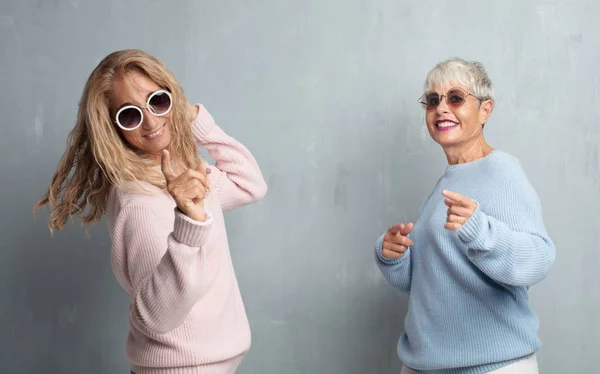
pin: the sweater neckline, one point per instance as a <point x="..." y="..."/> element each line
<point x="467" y="165"/>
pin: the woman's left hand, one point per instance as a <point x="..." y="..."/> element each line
<point x="460" y="209"/>
<point x="194" y="110"/>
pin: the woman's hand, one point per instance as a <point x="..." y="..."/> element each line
<point x="194" y="110"/>
<point x="395" y="241"/>
<point x="460" y="209"/>
<point x="188" y="189"/>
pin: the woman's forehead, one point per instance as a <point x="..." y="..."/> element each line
<point x="443" y="87"/>
<point x="133" y="86"/>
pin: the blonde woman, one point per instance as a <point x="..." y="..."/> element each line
<point x="133" y="156"/>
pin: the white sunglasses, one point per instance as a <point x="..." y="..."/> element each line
<point x="130" y="117"/>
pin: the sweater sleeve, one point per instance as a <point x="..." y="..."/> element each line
<point x="397" y="271"/>
<point x="236" y="178"/>
<point x="510" y="243"/>
<point x="165" y="283"/>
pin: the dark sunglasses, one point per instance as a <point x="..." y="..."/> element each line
<point x="130" y="117"/>
<point x="455" y="97"/>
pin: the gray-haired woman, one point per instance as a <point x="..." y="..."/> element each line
<point x="478" y="245"/>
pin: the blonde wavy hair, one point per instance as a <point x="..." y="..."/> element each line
<point x="97" y="157"/>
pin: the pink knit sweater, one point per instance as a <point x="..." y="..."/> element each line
<point x="186" y="313"/>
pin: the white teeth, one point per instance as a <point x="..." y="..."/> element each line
<point x="446" y="124"/>
<point x="155" y="134"/>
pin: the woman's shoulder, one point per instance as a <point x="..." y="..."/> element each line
<point x="511" y="175"/>
<point x="506" y="165"/>
<point x="504" y="157"/>
<point x="134" y="193"/>
<point x="134" y="190"/>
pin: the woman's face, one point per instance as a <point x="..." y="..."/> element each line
<point x="454" y="125"/>
<point x="153" y="135"/>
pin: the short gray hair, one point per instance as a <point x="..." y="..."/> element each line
<point x="469" y="74"/>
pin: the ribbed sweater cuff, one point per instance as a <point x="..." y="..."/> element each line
<point x="474" y="230"/>
<point x="189" y="232"/>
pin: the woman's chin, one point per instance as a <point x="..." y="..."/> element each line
<point x="156" y="146"/>
<point x="447" y="139"/>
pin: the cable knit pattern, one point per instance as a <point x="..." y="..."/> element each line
<point x="186" y="314"/>
<point x="468" y="289"/>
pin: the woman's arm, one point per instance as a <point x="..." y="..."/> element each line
<point x="509" y="243"/>
<point x="397" y="271"/>
<point x="236" y="178"/>
<point x="165" y="284"/>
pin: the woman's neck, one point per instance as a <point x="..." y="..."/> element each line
<point x="467" y="152"/>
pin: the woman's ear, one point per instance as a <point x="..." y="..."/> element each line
<point x="485" y="110"/>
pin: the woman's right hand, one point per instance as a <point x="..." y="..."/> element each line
<point x="188" y="189"/>
<point x="395" y="241"/>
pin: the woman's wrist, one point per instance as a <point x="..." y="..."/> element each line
<point x="196" y="216"/>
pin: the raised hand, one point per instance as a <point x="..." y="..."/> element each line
<point x="395" y="241"/>
<point x="188" y="189"/>
<point x="460" y="209"/>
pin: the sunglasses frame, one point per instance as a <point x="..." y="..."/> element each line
<point x="148" y="106"/>
<point x="424" y="105"/>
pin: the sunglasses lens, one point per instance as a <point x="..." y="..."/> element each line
<point x="160" y="103"/>
<point x="432" y="100"/>
<point x="129" y="118"/>
<point x="456" y="98"/>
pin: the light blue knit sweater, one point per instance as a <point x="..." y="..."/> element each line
<point x="468" y="307"/>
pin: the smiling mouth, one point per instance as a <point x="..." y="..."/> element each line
<point x="156" y="133"/>
<point x="445" y="124"/>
